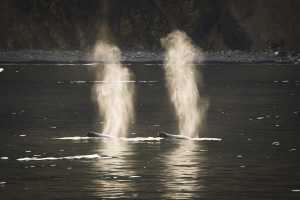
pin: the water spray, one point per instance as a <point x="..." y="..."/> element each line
<point x="182" y="79"/>
<point x="115" y="97"/>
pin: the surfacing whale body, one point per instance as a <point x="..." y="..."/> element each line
<point x="94" y="134"/>
<point x="163" y="135"/>
<point x="171" y="136"/>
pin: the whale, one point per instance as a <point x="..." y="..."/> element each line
<point x="94" y="134"/>
<point x="164" y="135"/>
<point x="171" y="136"/>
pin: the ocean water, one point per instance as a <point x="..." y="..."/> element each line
<point x="250" y="148"/>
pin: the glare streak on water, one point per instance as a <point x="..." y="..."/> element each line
<point x="138" y="139"/>
<point x="78" y="157"/>
<point x="78" y="82"/>
<point x="52" y="64"/>
<point x="2" y="182"/>
<point x="148" y="81"/>
<point x="207" y="139"/>
<point x="129" y="81"/>
<point x="135" y="139"/>
<point x="73" y="138"/>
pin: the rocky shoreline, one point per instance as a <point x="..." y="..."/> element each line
<point x="44" y="56"/>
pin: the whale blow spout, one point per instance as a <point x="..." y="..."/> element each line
<point x="182" y="82"/>
<point x="115" y="96"/>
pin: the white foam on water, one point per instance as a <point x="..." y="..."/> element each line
<point x="52" y="64"/>
<point x="4" y="158"/>
<point x="135" y="139"/>
<point x="78" y="157"/>
<point x="207" y="139"/>
<point x="1" y="70"/>
<point x="156" y="125"/>
<point x="112" y="82"/>
<point x="298" y="190"/>
<point x="276" y="143"/>
<point x="260" y="118"/>
<point x="148" y="81"/>
<point x="134" y="176"/>
<point x="78" y="82"/>
<point x="75" y="138"/>
<point x="239" y="156"/>
<point x="2" y="182"/>
<point x="141" y="139"/>
<point x="75" y="64"/>
<point x="153" y="64"/>
<point x="149" y="64"/>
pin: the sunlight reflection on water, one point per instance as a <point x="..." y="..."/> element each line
<point x="117" y="174"/>
<point x="182" y="170"/>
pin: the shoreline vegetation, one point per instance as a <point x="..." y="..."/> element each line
<point x="213" y="25"/>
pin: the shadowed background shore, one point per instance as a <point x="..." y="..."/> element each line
<point x="137" y="24"/>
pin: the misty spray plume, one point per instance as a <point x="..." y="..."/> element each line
<point x="182" y="79"/>
<point x="115" y="96"/>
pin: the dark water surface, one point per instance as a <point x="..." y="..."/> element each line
<point x="255" y="109"/>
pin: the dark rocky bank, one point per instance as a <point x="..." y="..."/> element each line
<point x="269" y="28"/>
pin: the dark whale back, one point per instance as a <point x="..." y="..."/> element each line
<point x="170" y="136"/>
<point x="93" y="134"/>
